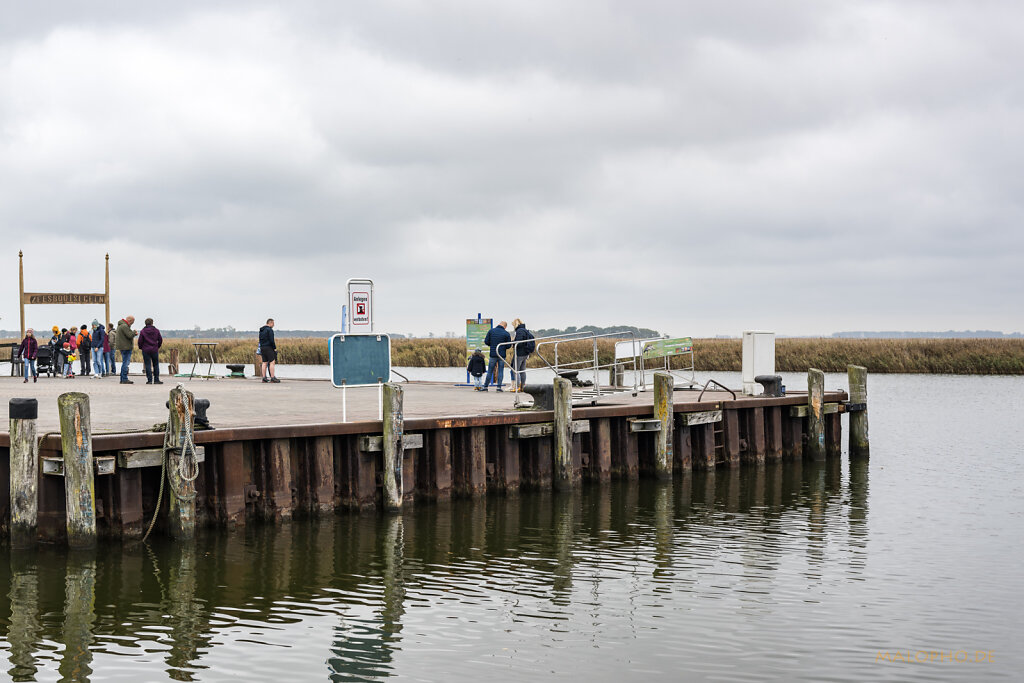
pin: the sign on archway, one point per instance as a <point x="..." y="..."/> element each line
<point x="60" y="298"/>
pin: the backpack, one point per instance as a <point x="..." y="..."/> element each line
<point x="530" y="346"/>
<point x="84" y="340"/>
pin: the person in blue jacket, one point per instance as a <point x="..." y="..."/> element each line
<point x="496" y="337"/>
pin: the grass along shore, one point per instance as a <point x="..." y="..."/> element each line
<point x="947" y="356"/>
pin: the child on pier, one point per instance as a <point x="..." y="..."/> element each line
<point x="477" y="367"/>
<point x="69" y="359"/>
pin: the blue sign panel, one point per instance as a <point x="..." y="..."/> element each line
<point x="360" y="359"/>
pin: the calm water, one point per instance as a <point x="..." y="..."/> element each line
<point x="800" y="572"/>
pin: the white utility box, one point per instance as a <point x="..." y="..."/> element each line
<point x="758" y="358"/>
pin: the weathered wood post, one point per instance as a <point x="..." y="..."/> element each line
<point x="815" y="414"/>
<point x="181" y="510"/>
<point x="858" y="377"/>
<point x="76" y="443"/>
<point x="664" y="385"/>
<point x="394" y="449"/>
<point x="24" y="472"/>
<point x="563" y="434"/>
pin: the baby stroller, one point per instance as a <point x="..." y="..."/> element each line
<point x="45" y="361"/>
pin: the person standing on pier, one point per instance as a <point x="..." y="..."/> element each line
<point x="477" y="367"/>
<point x="150" y="342"/>
<point x="520" y="352"/>
<point x="99" y="343"/>
<point x="124" y="341"/>
<point x="84" y="349"/>
<point x="268" y="351"/>
<point x="496" y="337"/>
<point x="28" y="350"/>
<point x="108" y="348"/>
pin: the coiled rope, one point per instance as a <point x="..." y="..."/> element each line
<point x="188" y="463"/>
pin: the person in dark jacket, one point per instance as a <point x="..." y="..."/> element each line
<point x="99" y="358"/>
<point x="84" y="340"/>
<point x="477" y="367"/>
<point x="268" y="351"/>
<point x="28" y="350"/>
<point x="150" y="342"/>
<point x="521" y="350"/>
<point x="497" y="337"/>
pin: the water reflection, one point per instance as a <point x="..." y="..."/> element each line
<point x="605" y="558"/>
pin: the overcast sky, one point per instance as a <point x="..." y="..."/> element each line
<point x="698" y="168"/>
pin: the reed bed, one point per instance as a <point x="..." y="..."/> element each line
<point x="935" y="356"/>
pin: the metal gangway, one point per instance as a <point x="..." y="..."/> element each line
<point x="632" y="359"/>
<point x="585" y="374"/>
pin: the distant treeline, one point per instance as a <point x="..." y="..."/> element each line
<point x="948" y="334"/>
<point x="640" y="332"/>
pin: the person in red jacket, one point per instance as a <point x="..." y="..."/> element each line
<point x="28" y="350"/>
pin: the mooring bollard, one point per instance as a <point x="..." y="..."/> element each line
<point x="858" y="408"/>
<point x="664" y="385"/>
<point x="80" y="494"/>
<point x="394" y="449"/>
<point x="181" y="509"/>
<point x="24" y="472"/>
<point x="563" y="434"/>
<point x="815" y="414"/>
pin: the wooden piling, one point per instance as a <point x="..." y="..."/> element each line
<point x="731" y="437"/>
<point x="181" y="510"/>
<point x="664" y="385"/>
<point x="172" y="363"/>
<point x="858" y="377"/>
<point x="563" y="470"/>
<point x="815" y="414"/>
<point x="394" y="449"/>
<point x="773" y="436"/>
<point x="600" y="449"/>
<point x="24" y="459"/>
<point x="756" y="437"/>
<point x="80" y="494"/>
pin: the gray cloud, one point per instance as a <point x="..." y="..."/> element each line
<point x="696" y="168"/>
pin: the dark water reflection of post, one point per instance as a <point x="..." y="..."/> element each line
<point x="25" y="630"/>
<point x="392" y="577"/>
<point x="79" y="616"/>
<point x="857" y="517"/>
<point x="564" y="528"/>
<point x="663" y="528"/>
<point x="187" y="622"/>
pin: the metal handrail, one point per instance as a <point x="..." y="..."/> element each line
<point x="559" y="368"/>
<point x="710" y="382"/>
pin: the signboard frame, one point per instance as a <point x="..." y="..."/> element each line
<point x="360" y="306"/>
<point x="61" y="298"/>
<point x="475" y="337"/>
<point x="380" y="378"/>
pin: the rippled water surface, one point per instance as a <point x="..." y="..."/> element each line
<point x="795" y="572"/>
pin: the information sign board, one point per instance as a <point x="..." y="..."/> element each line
<point x="663" y="348"/>
<point x="476" y="330"/>
<point x="359" y="359"/>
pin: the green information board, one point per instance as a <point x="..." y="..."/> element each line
<point x="476" y="330"/>
<point x="662" y="348"/>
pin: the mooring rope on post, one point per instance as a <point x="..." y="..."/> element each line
<point x="188" y="464"/>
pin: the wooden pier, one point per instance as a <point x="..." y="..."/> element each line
<point x="278" y="452"/>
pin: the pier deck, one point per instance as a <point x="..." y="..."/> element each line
<point x="281" y="450"/>
<point x="251" y="403"/>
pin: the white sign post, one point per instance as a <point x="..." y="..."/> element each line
<point x="360" y="306"/>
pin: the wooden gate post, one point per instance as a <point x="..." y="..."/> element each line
<point x="563" y="434"/>
<point x="394" y="449"/>
<point x="815" y="414"/>
<point x="663" y="388"/>
<point x="24" y="472"/>
<point x="79" y="488"/>
<point x="858" y="376"/>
